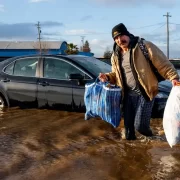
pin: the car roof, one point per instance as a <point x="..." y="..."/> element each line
<point x="8" y="60"/>
<point x="67" y="57"/>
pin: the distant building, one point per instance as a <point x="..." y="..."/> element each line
<point x="19" y="48"/>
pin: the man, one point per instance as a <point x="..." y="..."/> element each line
<point x="132" y="72"/>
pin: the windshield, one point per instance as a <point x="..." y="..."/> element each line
<point x="92" y="64"/>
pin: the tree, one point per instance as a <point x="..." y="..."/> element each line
<point x="86" y="47"/>
<point x="107" y="53"/>
<point x="72" y="49"/>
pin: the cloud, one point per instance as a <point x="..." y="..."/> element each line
<point x="52" y="34"/>
<point x="157" y="37"/>
<point x="1" y="8"/>
<point x="160" y="40"/>
<point x="28" y="31"/>
<point x="51" y="24"/>
<point x="99" y="46"/>
<point x="78" y="32"/>
<point x="23" y="31"/>
<point x="102" y="44"/>
<point x="19" y="30"/>
<point x="173" y="50"/>
<point x="160" y="36"/>
<point x="159" y="3"/>
<point x="86" y="18"/>
<point x="37" y="1"/>
<point x="174" y="28"/>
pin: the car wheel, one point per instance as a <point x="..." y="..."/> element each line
<point x="2" y="102"/>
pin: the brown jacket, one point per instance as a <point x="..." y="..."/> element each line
<point x="143" y="70"/>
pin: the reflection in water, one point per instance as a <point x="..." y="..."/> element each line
<point x="45" y="144"/>
<point x="168" y="164"/>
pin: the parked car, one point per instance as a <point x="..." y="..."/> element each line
<point x="161" y="98"/>
<point x="54" y="81"/>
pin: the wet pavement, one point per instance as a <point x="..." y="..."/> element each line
<point x="55" y="145"/>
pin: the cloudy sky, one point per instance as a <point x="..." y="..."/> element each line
<point x="92" y="20"/>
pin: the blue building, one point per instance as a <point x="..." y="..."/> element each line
<point x="19" y="48"/>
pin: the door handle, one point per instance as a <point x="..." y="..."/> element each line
<point x="43" y="83"/>
<point x="5" y="80"/>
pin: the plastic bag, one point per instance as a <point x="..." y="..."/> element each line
<point x="171" y="117"/>
<point x="103" y="100"/>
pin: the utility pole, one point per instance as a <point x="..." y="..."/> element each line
<point x="39" y="36"/>
<point x="167" y="16"/>
<point x="82" y="40"/>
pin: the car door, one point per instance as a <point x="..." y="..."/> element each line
<point x="20" y="82"/>
<point x="78" y="86"/>
<point x="60" y="91"/>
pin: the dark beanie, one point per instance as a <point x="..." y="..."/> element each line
<point x="119" y="29"/>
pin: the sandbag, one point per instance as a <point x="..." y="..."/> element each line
<point x="103" y="100"/>
<point x="171" y="117"/>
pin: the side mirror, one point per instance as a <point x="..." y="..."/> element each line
<point x="76" y="76"/>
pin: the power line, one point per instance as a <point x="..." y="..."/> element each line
<point x="82" y="40"/>
<point x="158" y="27"/>
<point x="93" y="33"/>
<point x="174" y="23"/>
<point x="177" y="38"/>
<point x="176" y="35"/>
<point x="149" y="25"/>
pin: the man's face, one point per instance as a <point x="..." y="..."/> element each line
<point x="122" y="41"/>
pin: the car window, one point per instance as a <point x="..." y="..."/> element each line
<point x="59" y="69"/>
<point x="25" y="67"/>
<point x="92" y="64"/>
<point x="9" y="69"/>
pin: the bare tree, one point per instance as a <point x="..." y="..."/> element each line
<point x="42" y="47"/>
<point x="85" y="47"/>
<point x="107" y="53"/>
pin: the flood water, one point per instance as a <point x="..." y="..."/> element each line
<point x="55" y="145"/>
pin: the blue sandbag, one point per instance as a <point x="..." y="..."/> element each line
<point x="103" y="100"/>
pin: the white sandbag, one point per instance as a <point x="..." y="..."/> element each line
<point x="171" y="118"/>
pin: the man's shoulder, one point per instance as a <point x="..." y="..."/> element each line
<point x="113" y="56"/>
<point x="146" y="42"/>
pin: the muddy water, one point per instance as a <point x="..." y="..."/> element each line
<point x="55" y="145"/>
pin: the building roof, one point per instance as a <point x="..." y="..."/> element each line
<point x="30" y="44"/>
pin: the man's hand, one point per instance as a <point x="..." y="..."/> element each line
<point x="103" y="77"/>
<point x="175" y="82"/>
